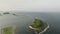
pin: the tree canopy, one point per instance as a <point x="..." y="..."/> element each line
<point x="37" y="23"/>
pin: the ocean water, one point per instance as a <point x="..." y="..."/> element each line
<point x="24" y="19"/>
<point x="52" y="18"/>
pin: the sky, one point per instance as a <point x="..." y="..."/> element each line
<point x="29" y="5"/>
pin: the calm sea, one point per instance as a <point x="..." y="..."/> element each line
<point x="52" y="18"/>
<point x="23" y="21"/>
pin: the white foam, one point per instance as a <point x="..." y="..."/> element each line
<point x="44" y="29"/>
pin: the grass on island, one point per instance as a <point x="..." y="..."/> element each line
<point x="37" y="23"/>
<point x="7" y="30"/>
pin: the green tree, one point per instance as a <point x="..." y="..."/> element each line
<point x="37" y="23"/>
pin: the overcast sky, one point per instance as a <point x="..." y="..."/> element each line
<point x="30" y="5"/>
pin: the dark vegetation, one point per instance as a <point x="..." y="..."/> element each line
<point x="37" y="23"/>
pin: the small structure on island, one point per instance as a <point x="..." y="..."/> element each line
<point x="38" y="26"/>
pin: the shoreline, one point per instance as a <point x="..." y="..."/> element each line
<point x="45" y="29"/>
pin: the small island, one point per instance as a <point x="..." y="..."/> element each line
<point x="7" y="30"/>
<point x="14" y="14"/>
<point x="10" y="13"/>
<point x="6" y="13"/>
<point x="38" y="26"/>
